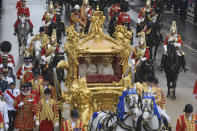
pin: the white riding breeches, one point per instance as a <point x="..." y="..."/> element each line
<point x="162" y="112"/>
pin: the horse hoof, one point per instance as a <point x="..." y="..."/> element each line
<point x="168" y="95"/>
<point x="173" y="97"/>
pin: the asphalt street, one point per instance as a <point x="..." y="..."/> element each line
<point x="187" y="30"/>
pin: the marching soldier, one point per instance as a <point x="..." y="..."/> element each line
<point x="76" y="19"/>
<point x="74" y="124"/>
<point x="4" y="121"/>
<point x="26" y="107"/>
<point x="3" y="84"/>
<point x="10" y="96"/>
<point x="187" y="121"/>
<point x="124" y="18"/>
<point x="26" y="67"/>
<point x="37" y="81"/>
<point x="47" y="85"/>
<point x="141" y="52"/>
<point x="175" y="39"/>
<point x="6" y="76"/>
<point x="49" y="15"/>
<point x="10" y="69"/>
<point x="47" y="115"/>
<point x="6" y="48"/>
<point x="23" y="10"/>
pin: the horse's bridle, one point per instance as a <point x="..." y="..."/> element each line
<point x="144" y="123"/>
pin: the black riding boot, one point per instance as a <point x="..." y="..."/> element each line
<point x="183" y="62"/>
<point x="169" y="128"/>
<point x="31" y="31"/>
<point x="15" y="30"/>
<point x="162" y="62"/>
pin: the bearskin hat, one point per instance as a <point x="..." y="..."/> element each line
<point x="6" y="46"/>
<point x="124" y="6"/>
<point x="116" y="1"/>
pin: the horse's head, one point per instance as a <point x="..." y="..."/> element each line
<point x="129" y="103"/>
<point x="148" y="66"/>
<point x="148" y="107"/>
<point x="171" y="52"/>
<point x="37" y="48"/>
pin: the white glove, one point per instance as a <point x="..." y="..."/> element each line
<point x="176" y="44"/>
<point x="34" y="118"/>
<point x="37" y="123"/>
<point x="21" y="77"/>
<point x="6" y="126"/>
<point x="21" y="104"/>
<point x="56" y="124"/>
<point x="48" y="59"/>
<point x="143" y="59"/>
<point x="48" y="23"/>
<point x="133" y="61"/>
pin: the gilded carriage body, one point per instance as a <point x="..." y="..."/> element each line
<point x="90" y="87"/>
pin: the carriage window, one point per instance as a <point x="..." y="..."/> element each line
<point x="100" y="69"/>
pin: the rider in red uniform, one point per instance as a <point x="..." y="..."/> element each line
<point x="124" y="18"/>
<point x="23" y="10"/>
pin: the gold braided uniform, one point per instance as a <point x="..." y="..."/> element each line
<point x="155" y="91"/>
<point x="44" y="40"/>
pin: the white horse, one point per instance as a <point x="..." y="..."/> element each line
<point x="37" y="50"/>
<point x="124" y="120"/>
<point x="22" y="33"/>
<point x="150" y="120"/>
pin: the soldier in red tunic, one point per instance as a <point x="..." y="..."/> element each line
<point x="23" y="10"/>
<point x="175" y="39"/>
<point x="26" y="107"/>
<point x="187" y="121"/>
<point x="19" y="4"/>
<point x="124" y="18"/>
<point x="141" y="52"/>
<point x="144" y="12"/>
<point x="6" y="48"/>
<point x="26" y="67"/>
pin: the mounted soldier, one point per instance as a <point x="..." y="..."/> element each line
<point x="141" y="52"/>
<point x="23" y="11"/>
<point x="77" y="20"/>
<point x="142" y="17"/>
<point x="57" y="7"/>
<point x="124" y="18"/>
<point x="42" y="37"/>
<point x="49" y="16"/>
<point x="175" y="39"/>
<point x="113" y="16"/>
